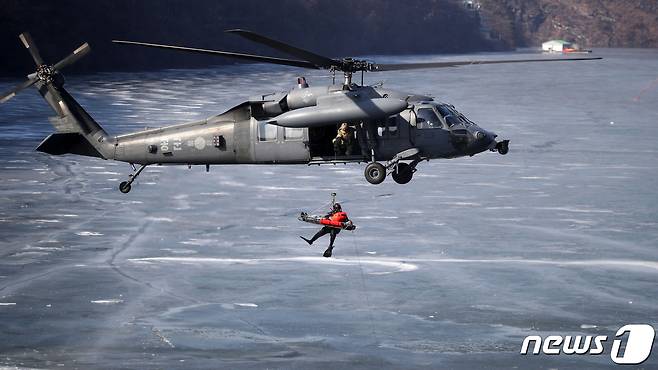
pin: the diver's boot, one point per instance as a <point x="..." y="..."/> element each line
<point x="327" y="253"/>
<point x="306" y="240"/>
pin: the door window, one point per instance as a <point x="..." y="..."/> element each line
<point x="293" y="134"/>
<point x="267" y="132"/>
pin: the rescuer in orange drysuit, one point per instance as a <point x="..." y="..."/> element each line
<point x="337" y="215"/>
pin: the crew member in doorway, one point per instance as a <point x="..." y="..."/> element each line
<point x="344" y="140"/>
<point x="336" y="215"/>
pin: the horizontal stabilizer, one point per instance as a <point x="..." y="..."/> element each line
<point x="68" y="142"/>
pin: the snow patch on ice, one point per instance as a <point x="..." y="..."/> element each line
<point x="199" y="242"/>
<point x="265" y="227"/>
<point x="286" y="188"/>
<point x="160" y="219"/>
<point x="403" y="265"/>
<point x="578" y="222"/>
<point x="179" y="251"/>
<point x="29" y="254"/>
<point x="104" y="173"/>
<point x="246" y="304"/>
<point x="44" y="221"/>
<point x="216" y="193"/>
<point x="107" y="301"/>
<point x="651" y="265"/>
<point x="377" y="217"/>
<point x="576" y="210"/>
<point x="45" y="249"/>
<point x="232" y="183"/>
<point x="462" y="204"/>
<point x="394" y="264"/>
<point x="88" y="233"/>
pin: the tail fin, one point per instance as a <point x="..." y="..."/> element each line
<point x="77" y="132"/>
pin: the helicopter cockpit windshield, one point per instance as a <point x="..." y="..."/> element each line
<point x="426" y="118"/>
<point x="452" y="116"/>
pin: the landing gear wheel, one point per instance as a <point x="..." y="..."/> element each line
<point x="124" y="187"/>
<point x="503" y="147"/>
<point x="375" y="173"/>
<point x="403" y="174"/>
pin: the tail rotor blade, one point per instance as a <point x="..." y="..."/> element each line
<point x="31" y="47"/>
<point x="77" y="54"/>
<point x="10" y="94"/>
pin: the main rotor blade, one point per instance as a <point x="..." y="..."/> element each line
<point x="31" y="47"/>
<point x="77" y="54"/>
<point x="255" y="58"/>
<point x="10" y="94"/>
<point x="405" y="66"/>
<point x="318" y="60"/>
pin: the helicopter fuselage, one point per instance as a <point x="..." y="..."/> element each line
<point x="291" y="127"/>
<point x="249" y="133"/>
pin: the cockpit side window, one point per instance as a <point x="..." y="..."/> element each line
<point x="452" y="120"/>
<point x="426" y="118"/>
<point x="444" y="110"/>
<point x="452" y="116"/>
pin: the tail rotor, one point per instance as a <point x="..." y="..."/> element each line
<point x="45" y="73"/>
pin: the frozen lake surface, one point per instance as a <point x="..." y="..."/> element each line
<point x="206" y="270"/>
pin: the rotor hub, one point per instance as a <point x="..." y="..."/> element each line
<point x="350" y="65"/>
<point x="45" y="73"/>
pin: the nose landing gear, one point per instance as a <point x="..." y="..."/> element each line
<point x="125" y="187"/>
<point x="502" y="147"/>
<point x="375" y="173"/>
<point x="403" y="173"/>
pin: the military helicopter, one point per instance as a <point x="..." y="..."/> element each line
<point x="393" y="131"/>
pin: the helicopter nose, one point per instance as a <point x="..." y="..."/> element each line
<point x="491" y="137"/>
<point x="481" y="140"/>
<point x="482" y="136"/>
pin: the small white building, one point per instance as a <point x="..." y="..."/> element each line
<point x="556" y="46"/>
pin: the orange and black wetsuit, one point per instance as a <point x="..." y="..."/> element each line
<point x="339" y="216"/>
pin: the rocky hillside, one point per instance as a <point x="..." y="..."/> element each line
<point x="591" y="23"/>
<point x="331" y="27"/>
<point x="334" y="28"/>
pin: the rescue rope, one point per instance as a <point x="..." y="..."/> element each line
<point x="364" y="292"/>
<point x="326" y="205"/>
